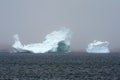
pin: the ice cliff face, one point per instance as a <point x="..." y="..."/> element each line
<point x="98" y="47"/>
<point x="57" y="41"/>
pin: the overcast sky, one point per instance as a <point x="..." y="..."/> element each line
<point x="33" y="19"/>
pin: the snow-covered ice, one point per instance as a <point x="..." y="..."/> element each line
<point x="57" y="41"/>
<point x="98" y="47"/>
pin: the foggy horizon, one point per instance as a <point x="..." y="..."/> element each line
<point x="32" y="20"/>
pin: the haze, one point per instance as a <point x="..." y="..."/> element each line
<point x="33" y="19"/>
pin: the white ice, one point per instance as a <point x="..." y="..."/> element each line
<point x="57" y="41"/>
<point x="98" y="47"/>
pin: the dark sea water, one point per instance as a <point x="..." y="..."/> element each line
<point x="56" y="66"/>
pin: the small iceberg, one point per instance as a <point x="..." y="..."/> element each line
<point x="98" y="47"/>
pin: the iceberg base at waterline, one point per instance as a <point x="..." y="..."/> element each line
<point x="57" y="41"/>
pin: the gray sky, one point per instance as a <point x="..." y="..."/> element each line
<point x="33" y="19"/>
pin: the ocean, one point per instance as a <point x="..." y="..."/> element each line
<point x="59" y="66"/>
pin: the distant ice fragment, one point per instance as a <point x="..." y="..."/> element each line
<point x="57" y="41"/>
<point x="98" y="47"/>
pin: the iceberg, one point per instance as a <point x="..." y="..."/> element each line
<point x="98" y="47"/>
<point x="57" y="41"/>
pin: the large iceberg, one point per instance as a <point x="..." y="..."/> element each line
<point x="57" y="41"/>
<point x="98" y="47"/>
